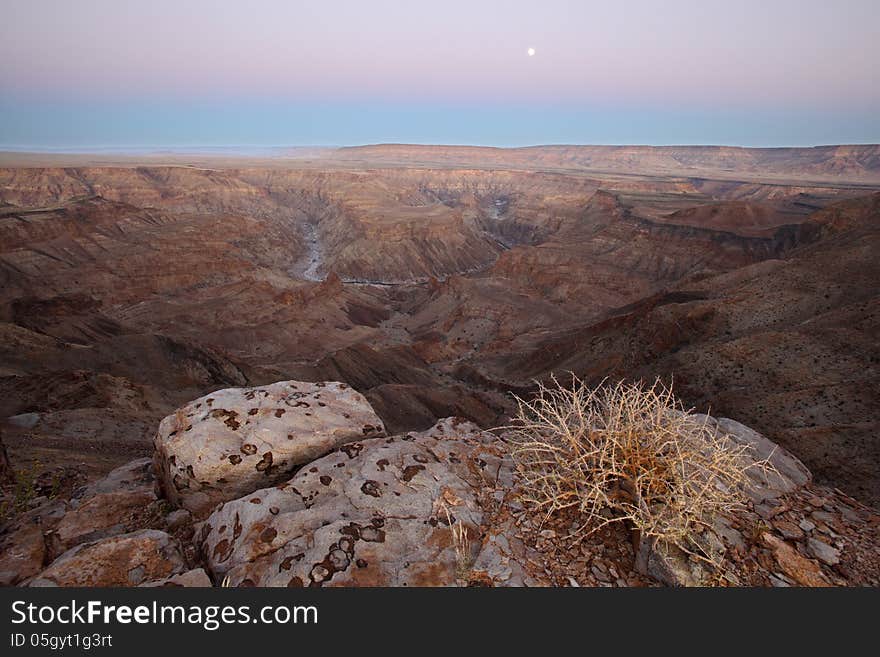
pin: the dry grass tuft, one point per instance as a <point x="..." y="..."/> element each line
<point x="461" y="541"/>
<point x="627" y="453"/>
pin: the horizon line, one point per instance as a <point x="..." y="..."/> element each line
<point x="93" y="149"/>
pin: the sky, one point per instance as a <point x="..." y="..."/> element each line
<point x="117" y="73"/>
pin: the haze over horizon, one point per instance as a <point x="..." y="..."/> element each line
<point x="100" y="74"/>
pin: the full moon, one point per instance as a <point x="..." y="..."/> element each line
<point x="531" y="52"/>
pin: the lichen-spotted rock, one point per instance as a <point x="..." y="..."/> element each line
<point x="232" y="442"/>
<point x="381" y="512"/>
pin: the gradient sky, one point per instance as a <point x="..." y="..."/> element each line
<point x="89" y="73"/>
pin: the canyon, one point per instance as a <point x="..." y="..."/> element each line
<point x="440" y="281"/>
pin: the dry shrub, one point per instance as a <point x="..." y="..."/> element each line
<point x="627" y="453"/>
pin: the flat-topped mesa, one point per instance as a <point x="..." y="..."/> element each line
<point x="232" y="442"/>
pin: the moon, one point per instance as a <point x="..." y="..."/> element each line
<point x="531" y="52"/>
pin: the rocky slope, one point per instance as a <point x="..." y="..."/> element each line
<point x="435" y="508"/>
<point x="789" y="345"/>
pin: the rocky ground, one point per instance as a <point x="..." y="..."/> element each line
<point x="298" y="484"/>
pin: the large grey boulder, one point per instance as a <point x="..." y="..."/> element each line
<point x="232" y="442"/>
<point x="401" y="511"/>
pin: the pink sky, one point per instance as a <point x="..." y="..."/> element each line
<point x="767" y="53"/>
<point x="766" y="58"/>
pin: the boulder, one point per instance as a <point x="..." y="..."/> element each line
<point x="23" y="546"/>
<point x="401" y="511"/>
<point x="136" y="475"/>
<point x="124" y="560"/>
<point x="672" y="566"/>
<point x="823" y="552"/>
<point x="100" y="516"/>
<point x="23" y="556"/>
<point x="232" y="442"/>
<point x="178" y="519"/>
<point x="196" y="578"/>
<point x="112" y="505"/>
<point x="802" y="570"/>
<point x="787" y="473"/>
